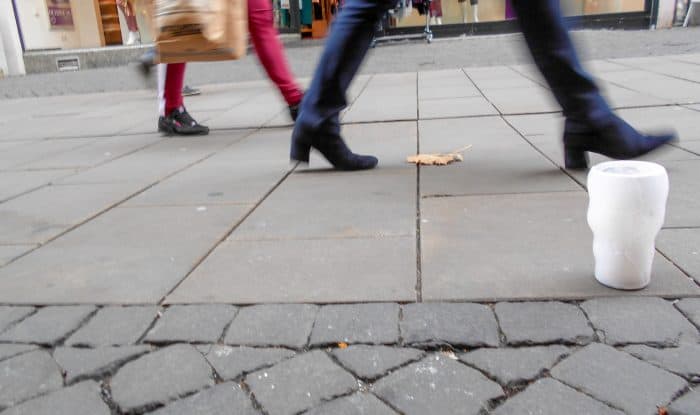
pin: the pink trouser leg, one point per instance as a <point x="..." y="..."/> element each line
<point x="174" y="81"/>
<point x="269" y="49"/>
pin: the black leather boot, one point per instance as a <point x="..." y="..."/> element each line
<point x="333" y="148"/>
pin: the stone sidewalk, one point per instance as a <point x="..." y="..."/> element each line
<point x="141" y="273"/>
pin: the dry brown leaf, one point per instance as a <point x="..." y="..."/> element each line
<point x="663" y="410"/>
<point x="438" y="159"/>
<point x="342" y="345"/>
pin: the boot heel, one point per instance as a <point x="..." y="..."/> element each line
<point x="575" y="159"/>
<point x="300" y="151"/>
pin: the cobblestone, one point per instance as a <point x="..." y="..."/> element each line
<point x="285" y="325"/>
<point x="437" y="385"/>
<point x="225" y="398"/>
<point x="160" y="377"/>
<point x="651" y="321"/>
<point x="618" y="379"/>
<point x="9" y="315"/>
<point x="690" y="307"/>
<point x="457" y="324"/>
<point x="543" y="323"/>
<point x="356" y="404"/>
<point x="371" y="362"/>
<point x="514" y="366"/>
<point x="10" y="350"/>
<point x="192" y="323"/>
<point x="114" y="326"/>
<point x="232" y="362"/>
<point x="683" y="360"/>
<point x="687" y="404"/>
<point x="80" y="399"/>
<point x="300" y="383"/>
<point x="26" y="376"/>
<point x="356" y="323"/>
<point x="549" y="397"/>
<point x="79" y="364"/>
<point x="49" y="325"/>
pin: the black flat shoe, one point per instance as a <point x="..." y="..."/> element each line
<point x="179" y="122"/>
<point x="333" y="149"/>
<point x="614" y="138"/>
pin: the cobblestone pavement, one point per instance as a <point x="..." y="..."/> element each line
<point x="601" y="356"/>
<point x="148" y="274"/>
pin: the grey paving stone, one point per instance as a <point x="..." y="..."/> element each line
<point x="457" y="324"/>
<point x="371" y="362"/>
<point x="687" y="404"/>
<point x="437" y="385"/>
<point x="80" y="399"/>
<point x="300" y="383"/>
<point x="232" y="362"/>
<point x="681" y="246"/>
<point x="225" y="398"/>
<point x="549" y="397"/>
<point x="160" y="377"/>
<point x="11" y="350"/>
<point x="543" y="322"/>
<point x="192" y="323"/>
<point x="49" y="325"/>
<point x="10" y="315"/>
<point x="26" y="376"/>
<point x="616" y="378"/>
<point x="514" y="366"/>
<point x="690" y="307"/>
<point x="10" y="252"/>
<point x="356" y="404"/>
<point x="653" y="321"/>
<point x="287" y="325"/>
<point x="115" y="326"/>
<point x="357" y="323"/>
<point x="683" y="360"/>
<point x="79" y="364"/>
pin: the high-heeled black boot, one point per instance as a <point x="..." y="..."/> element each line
<point x="333" y="148"/>
<point x="613" y="138"/>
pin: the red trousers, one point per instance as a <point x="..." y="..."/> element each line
<point x="268" y="48"/>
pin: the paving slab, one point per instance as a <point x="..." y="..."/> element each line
<point x="499" y="160"/>
<point x="152" y="248"/>
<point x="287" y="325"/>
<point x="514" y="366"/>
<point x="80" y="363"/>
<point x="527" y="246"/>
<point x="372" y="362"/>
<point x="81" y="399"/>
<point x="686" y="404"/>
<point x="655" y="119"/>
<point x="255" y="112"/>
<point x="204" y="323"/>
<point x="10" y="315"/>
<point x="437" y="385"/>
<point x="618" y="379"/>
<point x="522" y="100"/>
<point x="223" y="398"/>
<point x="682" y="246"/>
<point x="286" y="273"/>
<point x="651" y="321"/>
<point x="233" y="362"/>
<point x="683" y="360"/>
<point x="160" y="377"/>
<point x="18" y="155"/>
<point x="356" y="323"/>
<point x="690" y="307"/>
<point x="456" y="324"/>
<point x="469" y="106"/>
<point x="357" y="404"/>
<point x="11" y="350"/>
<point x="619" y="97"/>
<point x="543" y="322"/>
<point x="10" y="252"/>
<point x="549" y="397"/>
<point x="29" y="221"/>
<point x="49" y="325"/>
<point x="26" y="376"/>
<point x="395" y="94"/>
<point x="115" y="326"/>
<point x="300" y="383"/>
<point x="676" y="90"/>
<point x="14" y="183"/>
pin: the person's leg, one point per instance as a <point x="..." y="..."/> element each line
<point x="270" y="50"/>
<point x="174" y="118"/>
<point x="591" y="125"/>
<point x="318" y="125"/>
